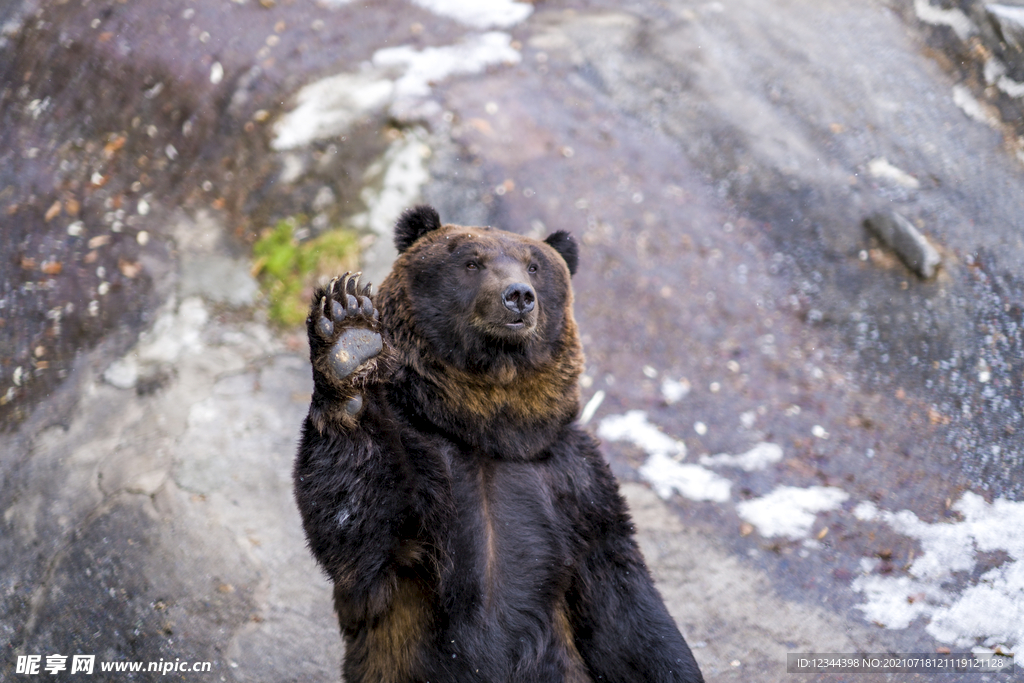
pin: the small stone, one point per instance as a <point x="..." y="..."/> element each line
<point x="881" y="168"/>
<point x="53" y="211"/>
<point x="911" y="246"/>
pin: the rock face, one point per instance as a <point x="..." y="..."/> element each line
<point x="985" y="46"/>
<point x="160" y="523"/>
<point x="903" y="238"/>
<point x="145" y="507"/>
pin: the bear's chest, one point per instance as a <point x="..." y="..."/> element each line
<point x="511" y="549"/>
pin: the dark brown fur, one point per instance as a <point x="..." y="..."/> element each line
<point x="471" y="528"/>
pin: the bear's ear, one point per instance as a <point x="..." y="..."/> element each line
<point x="564" y="244"/>
<point x="413" y="224"/>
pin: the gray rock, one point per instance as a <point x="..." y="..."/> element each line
<point x="219" y="279"/>
<point x="911" y="246"/>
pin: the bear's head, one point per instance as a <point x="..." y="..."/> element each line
<point x="485" y="316"/>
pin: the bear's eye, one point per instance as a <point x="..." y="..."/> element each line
<point x="472" y="265"/>
<point x="533" y="268"/>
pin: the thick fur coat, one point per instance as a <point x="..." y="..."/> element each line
<point x="471" y="528"/>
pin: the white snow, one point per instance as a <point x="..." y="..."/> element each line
<point x="393" y="183"/>
<point x="690" y="481"/>
<point x="674" y="391"/>
<point x="995" y="74"/>
<point x="1014" y="14"/>
<point x="634" y="428"/>
<point x="329" y="107"/>
<point x="954" y="18"/>
<point x="757" y="458"/>
<point x="992" y="609"/>
<point x="479" y="13"/>
<point x="790" y="511"/>
<point x="963" y="98"/>
<point x="663" y="469"/>
<point x="433" y="64"/>
<point x="866" y="512"/>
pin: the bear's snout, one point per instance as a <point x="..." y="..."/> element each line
<point x="519" y="298"/>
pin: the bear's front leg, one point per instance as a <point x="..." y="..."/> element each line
<point x="344" y="347"/>
<point x="349" y="475"/>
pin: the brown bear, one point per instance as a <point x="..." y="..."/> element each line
<point x="471" y="528"/>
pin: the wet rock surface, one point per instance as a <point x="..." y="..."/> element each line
<point x="718" y="162"/>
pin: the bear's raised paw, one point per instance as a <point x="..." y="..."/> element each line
<point x="346" y="320"/>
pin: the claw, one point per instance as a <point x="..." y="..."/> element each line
<point x="345" y="279"/>
<point x="367" y="289"/>
<point x="323" y="302"/>
<point x="330" y="286"/>
<point x="353" y="284"/>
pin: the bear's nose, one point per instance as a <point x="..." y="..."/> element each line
<point x="519" y="298"/>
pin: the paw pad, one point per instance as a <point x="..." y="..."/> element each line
<point x="353" y="348"/>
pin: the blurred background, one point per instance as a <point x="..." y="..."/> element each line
<point x="800" y="295"/>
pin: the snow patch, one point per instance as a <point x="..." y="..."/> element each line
<point x="995" y="74"/>
<point x="969" y="105"/>
<point x="433" y="64"/>
<point x="992" y="609"/>
<point x="663" y="469"/>
<point x="673" y="391"/>
<point x="329" y="107"/>
<point x="393" y="183"/>
<point x="390" y="185"/>
<point x="332" y="105"/>
<point x="953" y="18"/>
<point x="634" y="428"/>
<point x="790" y="511"/>
<point x="690" y="481"/>
<point x="1015" y="14"/>
<point x="479" y="13"/>
<point x="757" y="458"/>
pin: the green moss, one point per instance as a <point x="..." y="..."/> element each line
<point x="288" y="269"/>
